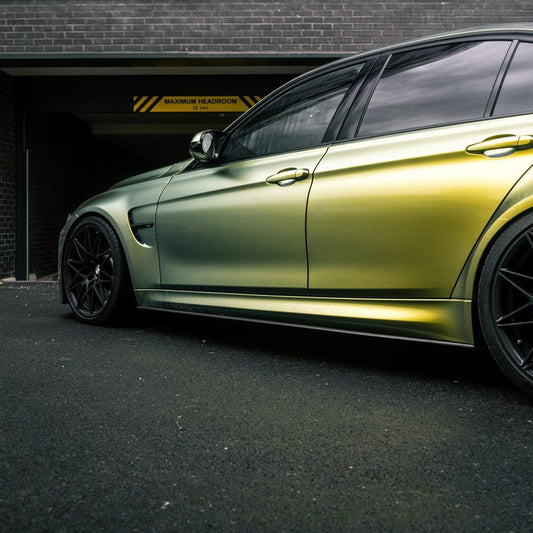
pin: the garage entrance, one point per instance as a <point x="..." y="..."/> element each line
<point x="84" y="124"/>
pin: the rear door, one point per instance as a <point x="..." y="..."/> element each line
<point x="395" y="211"/>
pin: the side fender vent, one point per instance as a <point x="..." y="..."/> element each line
<point x="137" y="227"/>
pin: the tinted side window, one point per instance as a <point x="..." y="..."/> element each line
<point x="297" y="119"/>
<point x="516" y="95"/>
<point x="436" y="85"/>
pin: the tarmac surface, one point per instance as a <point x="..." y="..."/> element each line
<point x="176" y="423"/>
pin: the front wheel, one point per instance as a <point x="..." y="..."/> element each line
<point x="95" y="274"/>
<point x="505" y="302"/>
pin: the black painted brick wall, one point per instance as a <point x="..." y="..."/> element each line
<point x="67" y="165"/>
<point x="7" y="177"/>
<point x="225" y="26"/>
<point x="52" y="185"/>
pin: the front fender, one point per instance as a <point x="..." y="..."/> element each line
<point x="114" y="206"/>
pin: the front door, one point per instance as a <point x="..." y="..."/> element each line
<point x="237" y="227"/>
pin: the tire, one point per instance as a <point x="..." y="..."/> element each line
<point x="95" y="274"/>
<point x="505" y="302"/>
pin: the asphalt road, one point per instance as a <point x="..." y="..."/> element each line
<point x="188" y="424"/>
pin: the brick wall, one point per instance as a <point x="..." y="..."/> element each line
<point x="7" y="177"/>
<point x="67" y="165"/>
<point x="226" y="26"/>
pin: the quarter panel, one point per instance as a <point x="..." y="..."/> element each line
<point x="518" y="202"/>
<point x="398" y="215"/>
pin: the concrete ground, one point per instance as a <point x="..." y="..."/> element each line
<point x="188" y="424"/>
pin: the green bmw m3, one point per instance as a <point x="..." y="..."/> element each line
<point x="388" y="194"/>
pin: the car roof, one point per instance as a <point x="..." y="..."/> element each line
<point x="508" y="30"/>
<point x="518" y="28"/>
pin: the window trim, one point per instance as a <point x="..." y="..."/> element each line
<point x="282" y="91"/>
<point x="364" y="57"/>
<point x="359" y="106"/>
<point x="500" y="78"/>
<point x="502" y="82"/>
<point x="491" y="99"/>
<point x="278" y="93"/>
<point x="290" y="85"/>
<point x="343" y="110"/>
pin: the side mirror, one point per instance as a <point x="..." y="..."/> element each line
<point x="205" y="146"/>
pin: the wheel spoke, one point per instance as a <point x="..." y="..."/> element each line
<point x="86" y="241"/>
<point x="530" y="240"/>
<point x="504" y="274"/>
<point x="513" y="313"/>
<point x="105" y="254"/>
<point x="100" y="293"/>
<point x="524" y="323"/>
<point x="83" y="297"/>
<point x="90" y="298"/>
<point x="106" y="276"/>
<point x="517" y="274"/>
<point x="74" y="286"/>
<point x="76" y="292"/>
<point x="97" y="241"/>
<point x="77" y="271"/>
<point x="527" y="362"/>
<point x="81" y="250"/>
<point x="107" y="258"/>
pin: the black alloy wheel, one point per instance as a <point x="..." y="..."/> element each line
<point x="505" y="300"/>
<point x="95" y="275"/>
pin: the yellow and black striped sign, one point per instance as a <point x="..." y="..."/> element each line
<point x="193" y="104"/>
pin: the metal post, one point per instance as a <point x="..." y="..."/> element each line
<point x="22" y="199"/>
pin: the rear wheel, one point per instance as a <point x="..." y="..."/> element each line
<point x="95" y="274"/>
<point x="505" y="301"/>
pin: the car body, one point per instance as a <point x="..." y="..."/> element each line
<point x="373" y="195"/>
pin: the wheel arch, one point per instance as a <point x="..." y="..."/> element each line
<point x="468" y="283"/>
<point x="71" y="226"/>
<point x="115" y="207"/>
<point x="503" y="300"/>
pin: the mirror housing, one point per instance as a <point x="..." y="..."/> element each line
<point x="206" y="145"/>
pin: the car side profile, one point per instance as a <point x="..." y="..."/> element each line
<point x="388" y="194"/>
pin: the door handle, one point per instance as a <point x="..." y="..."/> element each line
<point x="288" y="176"/>
<point x="501" y="146"/>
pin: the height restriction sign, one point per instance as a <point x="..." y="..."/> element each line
<point x="193" y="104"/>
